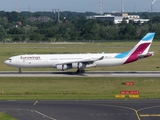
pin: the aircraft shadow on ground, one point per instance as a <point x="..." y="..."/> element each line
<point x="36" y="73"/>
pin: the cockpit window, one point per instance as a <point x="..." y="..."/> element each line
<point x="9" y="59"/>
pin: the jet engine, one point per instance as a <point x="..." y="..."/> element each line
<point x="78" y="65"/>
<point x="63" y="67"/>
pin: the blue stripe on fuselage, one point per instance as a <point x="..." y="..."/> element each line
<point x="122" y="55"/>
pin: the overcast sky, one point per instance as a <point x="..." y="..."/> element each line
<point x="80" y="5"/>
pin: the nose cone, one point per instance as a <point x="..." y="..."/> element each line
<point x="7" y="62"/>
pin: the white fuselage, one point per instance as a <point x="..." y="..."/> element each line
<point x="51" y="60"/>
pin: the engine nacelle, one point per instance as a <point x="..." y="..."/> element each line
<point x="63" y="67"/>
<point x="78" y="65"/>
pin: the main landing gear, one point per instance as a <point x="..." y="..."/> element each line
<point x="80" y="71"/>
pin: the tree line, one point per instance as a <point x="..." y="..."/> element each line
<point x="72" y="26"/>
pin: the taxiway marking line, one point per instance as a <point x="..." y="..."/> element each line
<point x="35" y="102"/>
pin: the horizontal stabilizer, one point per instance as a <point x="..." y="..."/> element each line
<point x="145" y="55"/>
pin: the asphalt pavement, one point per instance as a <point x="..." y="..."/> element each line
<point x="148" y="109"/>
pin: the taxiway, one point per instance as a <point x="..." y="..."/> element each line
<point x="83" y="110"/>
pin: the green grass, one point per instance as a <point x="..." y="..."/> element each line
<point x="75" y="88"/>
<point x="4" y="116"/>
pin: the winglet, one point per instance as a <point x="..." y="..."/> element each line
<point x="101" y="58"/>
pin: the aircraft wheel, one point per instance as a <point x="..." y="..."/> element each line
<point x="80" y="71"/>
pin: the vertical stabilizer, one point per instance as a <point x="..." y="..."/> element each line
<point x="141" y="49"/>
<point x="138" y="51"/>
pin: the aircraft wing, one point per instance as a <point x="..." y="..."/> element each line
<point x="87" y="60"/>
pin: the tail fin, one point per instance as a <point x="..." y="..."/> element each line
<point x="140" y="50"/>
<point x="143" y="46"/>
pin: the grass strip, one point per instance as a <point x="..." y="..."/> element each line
<point x="58" y="88"/>
<point x="4" y="116"/>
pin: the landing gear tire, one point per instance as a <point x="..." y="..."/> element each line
<point x="80" y="71"/>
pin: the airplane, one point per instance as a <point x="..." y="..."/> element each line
<point x="80" y="61"/>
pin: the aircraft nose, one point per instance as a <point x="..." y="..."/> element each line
<point x="7" y="62"/>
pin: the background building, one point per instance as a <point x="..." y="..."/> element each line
<point x="118" y="18"/>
